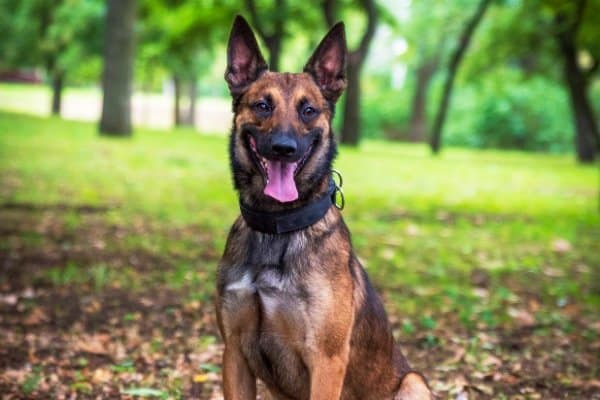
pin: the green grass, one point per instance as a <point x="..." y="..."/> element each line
<point x="424" y="226"/>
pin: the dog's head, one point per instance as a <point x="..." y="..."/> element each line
<point x="281" y="144"/>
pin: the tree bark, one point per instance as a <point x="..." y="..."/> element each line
<point x="274" y="45"/>
<point x="350" y="133"/>
<point x="418" y="116"/>
<point x="118" y="68"/>
<point x="176" y="100"/>
<point x="457" y="56"/>
<point x="57" y="88"/>
<point x="587" y="139"/>
<point x="273" y="39"/>
<point x="193" y="92"/>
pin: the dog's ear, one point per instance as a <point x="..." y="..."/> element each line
<point x="327" y="65"/>
<point x="245" y="63"/>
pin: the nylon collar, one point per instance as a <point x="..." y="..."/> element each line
<point x="291" y="220"/>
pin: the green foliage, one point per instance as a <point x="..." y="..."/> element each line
<point x="62" y="37"/>
<point x="32" y="380"/>
<point x="144" y="392"/>
<point x="178" y="38"/>
<point x="385" y="111"/>
<point x="498" y="113"/>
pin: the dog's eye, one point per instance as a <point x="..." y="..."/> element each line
<point x="262" y="107"/>
<point x="309" y="112"/>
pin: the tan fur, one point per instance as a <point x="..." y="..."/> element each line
<point x="296" y="310"/>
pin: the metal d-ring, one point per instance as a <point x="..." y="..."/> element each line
<point x="338" y="189"/>
<point x="334" y="173"/>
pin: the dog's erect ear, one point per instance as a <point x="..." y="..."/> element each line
<point x="327" y="65"/>
<point x="244" y="61"/>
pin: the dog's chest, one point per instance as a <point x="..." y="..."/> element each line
<point x="268" y="286"/>
<point x="273" y="289"/>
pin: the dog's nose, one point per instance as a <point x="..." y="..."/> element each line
<point x="284" y="146"/>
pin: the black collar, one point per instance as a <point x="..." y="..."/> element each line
<point x="290" y="220"/>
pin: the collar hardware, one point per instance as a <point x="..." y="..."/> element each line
<point x="337" y="190"/>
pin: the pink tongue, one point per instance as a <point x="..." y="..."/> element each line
<point x="281" y="185"/>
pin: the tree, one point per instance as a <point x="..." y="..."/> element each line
<point x="456" y="58"/>
<point x="179" y="37"/>
<point x="350" y="132"/>
<point x="568" y="19"/>
<point x="274" y="35"/>
<point x="276" y="21"/>
<point x="54" y="35"/>
<point x="118" y="68"/>
<point x="549" y="30"/>
<point x="427" y="32"/>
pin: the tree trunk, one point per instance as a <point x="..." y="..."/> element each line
<point x="459" y="52"/>
<point x="351" y="117"/>
<point x="57" y="87"/>
<point x="418" y="116"/>
<point x="272" y="39"/>
<point x="118" y="68"/>
<point x="587" y="139"/>
<point x="191" y="115"/>
<point x="586" y="130"/>
<point x="274" y="45"/>
<point x="176" y="100"/>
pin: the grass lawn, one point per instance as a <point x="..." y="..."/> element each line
<point x="488" y="262"/>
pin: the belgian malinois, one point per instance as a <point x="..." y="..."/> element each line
<point x="294" y="306"/>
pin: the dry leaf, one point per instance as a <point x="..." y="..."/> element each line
<point x="36" y="317"/>
<point x="101" y="376"/>
<point x="94" y="344"/>
<point x="523" y="317"/>
<point x="561" y="246"/>
<point x="412" y="230"/>
<point x="9" y="299"/>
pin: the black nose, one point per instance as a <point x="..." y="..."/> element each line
<point x="283" y="146"/>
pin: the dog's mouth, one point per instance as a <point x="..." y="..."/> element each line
<point x="279" y="175"/>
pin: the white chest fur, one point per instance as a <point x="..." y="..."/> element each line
<point x="268" y="286"/>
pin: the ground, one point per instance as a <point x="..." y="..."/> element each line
<point x="488" y="263"/>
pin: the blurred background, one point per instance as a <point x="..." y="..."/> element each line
<point x="469" y="147"/>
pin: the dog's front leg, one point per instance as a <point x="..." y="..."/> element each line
<point x="327" y="376"/>
<point x="238" y="381"/>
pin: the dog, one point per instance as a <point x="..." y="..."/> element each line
<point x="294" y="305"/>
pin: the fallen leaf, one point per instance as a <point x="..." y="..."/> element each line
<point x="9" y="299"/>
<point x="491" y="360"/>
<point x="486" y="389"/>
<point x="94" y="344"/>
<point x="143" y="392"/>
<point x="523" y="317"/>
<point x="561" y="246"/>
<point x="458" y="355"/>
<point x="101" y="376"/>
<point x="200" y="378"/>
<point x="412" y="230"/>
<point x="462" y="396"/>
<point x="36" y="317"/>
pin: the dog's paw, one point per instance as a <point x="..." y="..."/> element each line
<point x="413" y="387"/>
